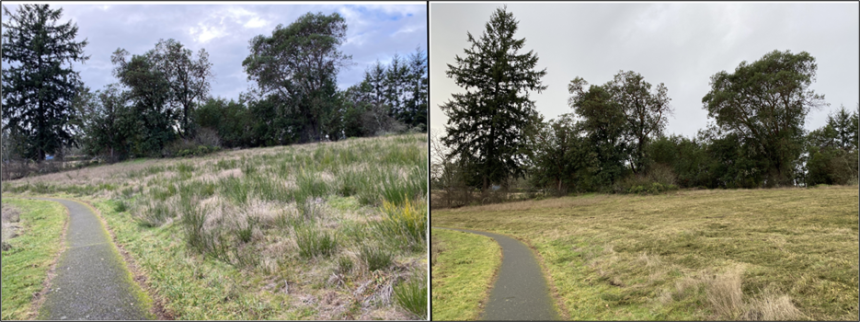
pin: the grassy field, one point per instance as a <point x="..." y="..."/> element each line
<point x="463" y="266"/>
<point x="34" y="246"/>
<point x="315" y="231"/>
<point x="775" y="254"/>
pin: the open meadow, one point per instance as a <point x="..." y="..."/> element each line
<point x="314" y="231"/>
<point x="746" y="254"/>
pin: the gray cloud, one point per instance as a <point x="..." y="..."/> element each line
<point x="678" y="44"/>
<point x="374" y="32"/>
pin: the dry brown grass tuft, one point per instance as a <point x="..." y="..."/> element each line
<point x="9" y="223"/>
<point x="772" y="307"/>
<point x="724" y="293"/>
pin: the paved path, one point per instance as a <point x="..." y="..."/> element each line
<point x="520" y="292"/>
<point x="92" y="282"/>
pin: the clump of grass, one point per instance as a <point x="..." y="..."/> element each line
<point x="406" y="225"/>
<point x="120" y="206"/>
<point x="309" y="185"/>
<point x="375" y="257"/>
<point x="313" y="242"/>
<point x="772" y="307"/>
<point x="412" y="296"/>
<point x="725" y="295"/>
<point x="344" y="264"/>
<point x="153" y="215"/>
<point x="235" y="190"/>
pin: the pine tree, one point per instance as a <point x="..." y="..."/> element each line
<point x="37" y="88"/>
<point x="485" y="123"/>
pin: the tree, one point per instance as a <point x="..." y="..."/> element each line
<point x="416" y="104"/>
<point x="646" y="113"/>
<point x="605" y="124"/>
<point x="37" y="88"/>
<point x="485" y="123"/>
<point x="560" y="155"/>
<point x="188" y="79"/>
<point x="150" y="94"/>
<point x="109" y="125"/>
<point x="765" y="104"/>
<point x="299" y="64"/>
<point x="831" y="151"/>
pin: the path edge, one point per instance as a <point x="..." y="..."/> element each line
<point x="137" y="276"/>
<point x="482" y="304"/>
<point x="39" y="297"/>
<point x="142" y="280"/>
<point x="554" y="294"/>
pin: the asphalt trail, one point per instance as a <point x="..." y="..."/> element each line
<point x="521" y="292"/>
<point x="92" y="281"/>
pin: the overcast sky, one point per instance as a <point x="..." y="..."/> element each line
<point x="375" y="31"/>
<point x="678" y="44"/>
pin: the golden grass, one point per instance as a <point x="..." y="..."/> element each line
<point x="698" y="254"/>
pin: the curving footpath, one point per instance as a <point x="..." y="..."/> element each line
<point x="520" y="291"/>
<point x="92" y="281"/>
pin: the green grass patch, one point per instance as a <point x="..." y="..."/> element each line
<point x="25" y="265"/>
<point x="775" y="254"/>
<point x="411" y="295"/>
<point x="463" y="266"/>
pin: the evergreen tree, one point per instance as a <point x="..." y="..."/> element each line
<point x="485" y="124"/>
<point x="37" y="88"/>
<point x="416" y="104"/>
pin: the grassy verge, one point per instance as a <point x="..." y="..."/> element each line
<point x="463" y="268"/>
<point x="317" y="231"/>
<point x="26" y="263"/>
<point x="776" y="254"/>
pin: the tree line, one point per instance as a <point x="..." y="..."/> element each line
<point x="161" y="104"/>
<point x="614" y="140"/>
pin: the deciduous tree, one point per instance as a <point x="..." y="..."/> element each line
<point x="765" y="104"/>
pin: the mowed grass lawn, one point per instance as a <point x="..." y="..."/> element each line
<point x="463" y="267"/>
<point x="33" y="250"/>
<point x="314" y="231"/>
<point x="766" y="254"/>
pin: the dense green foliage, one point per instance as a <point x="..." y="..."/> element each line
<point x="161" y="105"/>
<point x="39" y="83"/>
<point x="614" y="141"/>
<point x="765" y="104"/>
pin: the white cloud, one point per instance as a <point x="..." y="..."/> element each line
<point x="203" y="33"/>
<point x="402" y="9"/>
<point x="405" y="30"/>
<point x="256" y="22"/>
